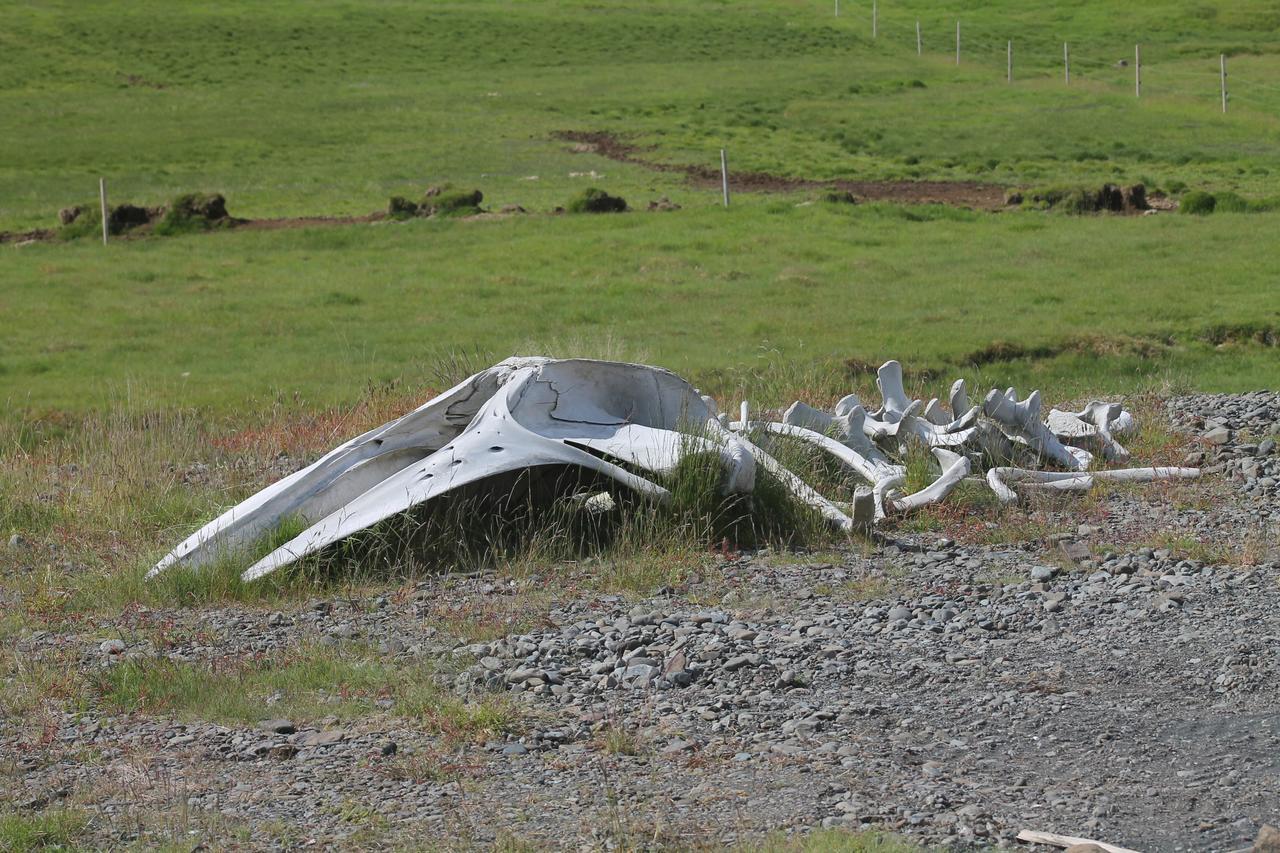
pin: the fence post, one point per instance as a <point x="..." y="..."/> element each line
<point x="724" y="176"/>
<point x="102" y="200"/>
<point x="919" y="44"/>
<point x="837" y="8"/>
<point x="875" y="19"/>
<point x="1137" y="71"/>
<point x="1066" y="64"/>
<point x="1222" y="63"/>
<point x="957" y="41"/>
<point x="1009" y="69"/>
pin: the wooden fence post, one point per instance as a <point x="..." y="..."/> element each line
<point x="1009" y="64"/>
<point x="875" y="19"/>
<point x="102" y="201"/>
<point x="1066" y="64"/>
<point x="1222" y="66"/>
<point x="919" y="44"/>
<point x="1137" y="71"/>
<point x="957" y="41"/>
<point x="724" y="176"/>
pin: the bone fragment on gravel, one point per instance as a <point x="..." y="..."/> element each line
<point x="1056" y="840"/>
<point x="1000" y="479"/>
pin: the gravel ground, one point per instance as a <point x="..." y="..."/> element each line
<point x="1094" y="681"/>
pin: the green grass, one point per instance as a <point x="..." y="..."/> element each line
<point x="53" y="829"/>
<point x="309" y="681"/>
<point x="249" y="321"/>
<point x="329" y="107"/>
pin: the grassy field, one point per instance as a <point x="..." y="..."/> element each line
<point x="329" y="107"/>
<point x="326" y="109"/>
<point x="237" y="322"/>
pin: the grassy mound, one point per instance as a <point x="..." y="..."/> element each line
<point x="1081" y="200"/>
<point x="593" y="200"/>
<point x="1200" y="203"/>
<point x="437" y="201"/>
<point x="193" y="212"/>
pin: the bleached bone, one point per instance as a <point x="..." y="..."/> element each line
<point x="521" y="414"/>
<point x="892" y="392"/>
<point x="959" y="398"/>
<point x="934" y="413"/>
<point x="528" y="413"/>
<point x="1102" y="416"/>
<point x="1089" y="428"/>
<point x="1146" y="475"/>
<point x="347" y="471"/>
<point x="954" y="469"/>
<point x="1022" y="420"/>
<point x="798" y="488"/>
<point x="848" y="430"/>
<point x="1000" y="479"/>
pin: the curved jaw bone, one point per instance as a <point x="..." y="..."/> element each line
<point x="521" y="414"/>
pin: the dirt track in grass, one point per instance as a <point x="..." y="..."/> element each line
<point x="955" y="193"/>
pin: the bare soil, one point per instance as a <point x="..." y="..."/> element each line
<point x="955" y="193"/>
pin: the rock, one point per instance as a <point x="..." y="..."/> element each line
<point x="280" y="727"/>
<point x="1218" y="435"/>
<point x="677" y="746"/>
<point x="1042" y="573"/>
<point x="1087" y="847"/>
<point x="16" y="542"/>
<point x="515" y="749"/>
<point x="1268" y="840"/>
<point x="111" y="647"/>
<point x="322" y="738"/>
<point x="388" y="748"/>
<point x="899" y="612"/>
<point x="736" y="663"/>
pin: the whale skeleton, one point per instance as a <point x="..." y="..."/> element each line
<point x="622" y="421"/>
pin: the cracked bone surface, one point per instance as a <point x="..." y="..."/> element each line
<point x="620" y="421"/>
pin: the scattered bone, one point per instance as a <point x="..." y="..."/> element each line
<point x="613" y="419"/>
<point x="1056" y="840"/>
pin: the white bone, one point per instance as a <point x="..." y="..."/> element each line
<point x="954" y="469"/>
<point x="959" y="398"/>
<point x="521" y="414"/>
<point x="1023" y="421"/>
<point x="1000" y="478"/>
<point x="934" y="413"/>
<point x="528" y="413"/>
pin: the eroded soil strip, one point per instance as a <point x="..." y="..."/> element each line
<point x="954" y="193"/>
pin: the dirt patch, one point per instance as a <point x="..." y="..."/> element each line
<point x="955" y="193"/>
<point x="1095" y="345"/>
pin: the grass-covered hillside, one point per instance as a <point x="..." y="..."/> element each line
<point x="330" y="108"/>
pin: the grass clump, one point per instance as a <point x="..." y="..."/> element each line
<point x="310" y="681"/>
<point x="85" y="220"/>
<point x="832" y="841"/>
<point x="54" y="829"/>
<point x="1198" y="203"/>
<point x="193" y="212"/>
<point x="453" y="203"/>
<point x="438" y="201"/>
<point x="593" y="200"/>
<point x="1201" y="203"/>
<point x="839" y="197"/>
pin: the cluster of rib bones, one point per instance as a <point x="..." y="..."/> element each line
<point x="616" y="419"/>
